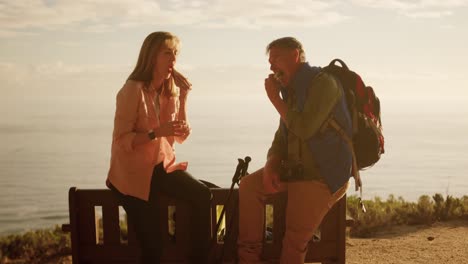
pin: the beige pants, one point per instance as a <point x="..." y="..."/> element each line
<point x="308" y="203"/>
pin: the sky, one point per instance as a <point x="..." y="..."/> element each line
<point x="79" y="53"/>
<point x="61" y="48"/>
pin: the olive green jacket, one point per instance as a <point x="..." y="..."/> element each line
<point x="322" y="94"/>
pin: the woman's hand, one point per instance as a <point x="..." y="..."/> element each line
<point x="182" y="82"/>
<point x="175" y="128"/>
<point x="186" y="129"/>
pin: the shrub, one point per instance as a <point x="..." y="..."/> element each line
<point x="33" y="246"/>
<point x="393" y="212"/>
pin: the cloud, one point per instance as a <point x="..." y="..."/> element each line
<point x="19" y="73"/>
<point x="91" y="82"/>
<point x="427" y="76"/>
<point x="429" y="14"/>
<point x="99" y="83"/>
<point x="416" y="8"/>
<point x="97" y="16"/>
<point x="16" y="16"/>
<point x="38" y="82"/>
<point x="20" y="17"/>
<point x="22" y="76"/>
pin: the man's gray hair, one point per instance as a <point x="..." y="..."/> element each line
<point x="287" y="43"/>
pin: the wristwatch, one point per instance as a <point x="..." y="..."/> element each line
<point x="152" y="135"/>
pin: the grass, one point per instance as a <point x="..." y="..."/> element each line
<point x="39" y="245"/>
<point x="396" y="211"/>
<point x="34" y="246"/>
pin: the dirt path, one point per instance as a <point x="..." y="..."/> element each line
<point x="443" y="243"/>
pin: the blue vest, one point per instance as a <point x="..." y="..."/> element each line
<point x="331" y="153"/>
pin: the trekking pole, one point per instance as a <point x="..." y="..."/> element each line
<point x="244" y="172"/>
<point x="247" y="159"/>
<point x="239" y="167"/>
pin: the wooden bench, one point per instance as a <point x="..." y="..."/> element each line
<point x="101" y="241"/>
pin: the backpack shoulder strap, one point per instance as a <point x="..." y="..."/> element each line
<point x="357" y="177"/>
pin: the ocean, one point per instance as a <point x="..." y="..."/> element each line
<point x="50" y="146"/>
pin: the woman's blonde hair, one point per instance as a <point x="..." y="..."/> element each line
<point x="144" y="68"/>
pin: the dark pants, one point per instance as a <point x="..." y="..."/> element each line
<point x="144" y="215"/>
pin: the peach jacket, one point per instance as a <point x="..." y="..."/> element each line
<point x="131" y="168"/>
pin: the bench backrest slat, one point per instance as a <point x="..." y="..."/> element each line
<point x="85" y="208"/>
<point x="111" y="224"/>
